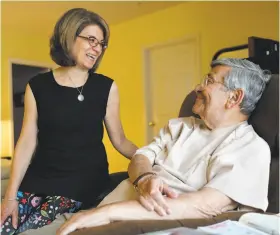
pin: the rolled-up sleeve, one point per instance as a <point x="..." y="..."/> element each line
<point x="243" y="175"/>
<point x="158" y="144"/>
<point x="167" y="137"/>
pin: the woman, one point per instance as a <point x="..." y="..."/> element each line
<point x="63" y="122"/>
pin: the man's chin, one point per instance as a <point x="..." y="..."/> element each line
<point x="198" y="106"/>
<point x="195" y="110"/>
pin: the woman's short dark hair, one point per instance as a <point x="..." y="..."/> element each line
<point x="66" y="30"/>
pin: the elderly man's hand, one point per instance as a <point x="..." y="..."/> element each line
<point x="90" y="218"/>
<point x="152" y="194"/>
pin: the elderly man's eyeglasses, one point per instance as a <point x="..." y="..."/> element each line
<point x="93" y="41"/>
<point x="209" y="80"/>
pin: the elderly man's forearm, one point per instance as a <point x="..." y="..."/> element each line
<point x="139" y="164"/>
<point x="132" y="210"/>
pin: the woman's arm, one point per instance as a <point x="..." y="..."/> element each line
<point x="23" y="153"/>
<point x="114" y="126"/>
<point x="25" y="146"/>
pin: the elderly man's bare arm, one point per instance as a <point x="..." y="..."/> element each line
<point x="205" y="203"/>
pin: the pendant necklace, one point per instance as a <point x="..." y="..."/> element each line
<point x="80" y="96"/>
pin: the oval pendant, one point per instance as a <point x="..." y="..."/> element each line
<point x="81" y="97"/>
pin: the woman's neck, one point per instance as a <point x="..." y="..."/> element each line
<point x="71" y="76"/>
<point x="77" y="75"/>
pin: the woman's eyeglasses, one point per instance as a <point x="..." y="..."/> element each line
<point x="93" y="41"/>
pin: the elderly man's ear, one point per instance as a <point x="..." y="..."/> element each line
<point x="235" y="98"/>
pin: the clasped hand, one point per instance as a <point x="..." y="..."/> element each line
<point x="153" y="192"/>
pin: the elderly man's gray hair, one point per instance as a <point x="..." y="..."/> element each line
<point x="247" y="76"/>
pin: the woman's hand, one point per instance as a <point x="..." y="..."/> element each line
<point x="9" y="207"/>
<point x="90" y="218"/>
<point x="152" y="191"/>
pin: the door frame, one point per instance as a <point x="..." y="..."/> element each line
<point x="27" y="63"/>
<point x="147" y="84"/>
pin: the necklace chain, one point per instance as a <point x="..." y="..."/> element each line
<point x="76" y="86"/>
<point x="80" y="96"/>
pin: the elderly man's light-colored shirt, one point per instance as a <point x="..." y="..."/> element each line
<point x="188" y="156"/>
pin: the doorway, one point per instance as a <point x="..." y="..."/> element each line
<point x="21" y="73"/>
<point x="172" y="70"/>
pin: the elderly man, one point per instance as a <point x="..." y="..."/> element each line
<point x="197" y="168"/>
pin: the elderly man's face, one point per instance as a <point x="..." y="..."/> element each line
<point x="212" y="96"/>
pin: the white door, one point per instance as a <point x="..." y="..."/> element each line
<point x="171" y="72"/>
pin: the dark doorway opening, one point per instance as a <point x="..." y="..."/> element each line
<point x="21" y="74"/>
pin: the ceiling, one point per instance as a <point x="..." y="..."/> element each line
<point x="47" y="13"/>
